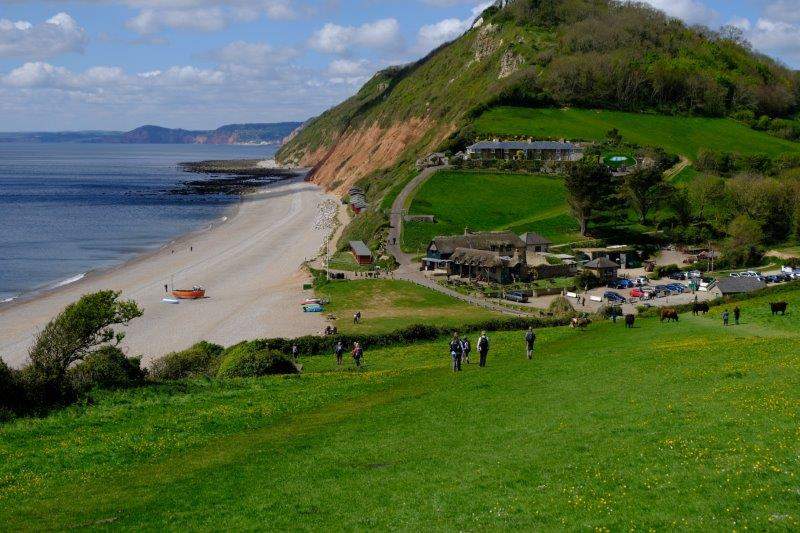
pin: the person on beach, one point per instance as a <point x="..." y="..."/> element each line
<point x="166" y="288"/>
<point x="358" y="353"/>
<point x="737" y="313"/>
<point x="465" y="349"/>
<point x="530" y="341"/>
<point x="295" y="351"/>
<point x="339" y="351"/>
<point x="455" y="352"/>
<point x="725" y="317"/>
<point x="483" y="348"/>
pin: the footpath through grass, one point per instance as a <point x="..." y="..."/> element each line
<point x="688" y="425"/>
<point x="680" y="135"/>
<point x="483" y="201"/>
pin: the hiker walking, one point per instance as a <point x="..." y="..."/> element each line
<point x="358" y="353"/>
<point x="737" y="313"/>
<point x="530" y="340"/>
<point x="455" y="352"/>
<point x="295" y="351"/>
<point x="338" y="350"/>
<point x="465" y="349"/>
<point x="166" y="289"/>
<point x="483" y="348"/>
<point x="725" y="317"/>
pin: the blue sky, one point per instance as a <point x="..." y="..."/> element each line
<point x="118" y="64"/>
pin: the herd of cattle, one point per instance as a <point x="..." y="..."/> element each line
<point x="669" y="314"/>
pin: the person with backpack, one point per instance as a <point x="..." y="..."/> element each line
<point x="530" y="341"/>
<point x="465" y="349"/>
<point x="725" y="317"/>
<point x="338" y="350"/>
<point x="483" y="348"/>
<point x="358" y="353"/>
<point x="455" y="352"/>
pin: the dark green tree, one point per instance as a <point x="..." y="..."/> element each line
<point x="590" y="186"/>
<point x="644" y="189"/>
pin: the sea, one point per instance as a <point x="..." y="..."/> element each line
<point x="68" y="209"/>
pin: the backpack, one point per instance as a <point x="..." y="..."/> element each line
<point x="483" y="343"/>
<point x="530" y="336"/>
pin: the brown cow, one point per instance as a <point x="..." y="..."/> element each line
<point x="669" y="315"/>
<point x="778" y="307"/>
<point x="579" y="323"/>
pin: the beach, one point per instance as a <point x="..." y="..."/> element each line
<point x="249" y="265"/>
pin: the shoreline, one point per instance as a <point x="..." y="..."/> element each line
<point x="249" y="261"/>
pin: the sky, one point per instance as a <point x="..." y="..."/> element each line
<point x="198" y="64"/>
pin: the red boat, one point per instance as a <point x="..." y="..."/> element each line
<point x="195" y="293"/>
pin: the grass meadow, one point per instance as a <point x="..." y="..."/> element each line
<point x="387" y="305"/>
<point x="683" y="425"/>
<point x="679" y="135"/>
<point x="483" y="201"/>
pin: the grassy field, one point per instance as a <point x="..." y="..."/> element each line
<point x="679" y="135"/>
<point x="666" y="426"/>
<point x="387" y="305"/>
<point x="489" y="201"/>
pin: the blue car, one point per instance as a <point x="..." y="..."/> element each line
<point x="613" y="297"/>
<point x="621" y="284"/>
<point x="677" y="287"/>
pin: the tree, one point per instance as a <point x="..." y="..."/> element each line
<point x="80" y="329"/>
<point x="589" y="186"/>
<point x="644" y="189"/>
<point x="614" y="137"/>
<point x="744" y="238"/>
<point x="708" y="198"/>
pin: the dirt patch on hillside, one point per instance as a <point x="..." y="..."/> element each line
<point x="359" y="152"/>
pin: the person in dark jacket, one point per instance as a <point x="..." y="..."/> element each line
<point x="530" y="341"/>
<point x="339" y="351"/>
<point x="295" y="351"/>
<point x="466" y="347"/>
<point x="483" y="348"/>
<point x="455" y="352"/>
<point x="358" y="353"/>
<point x="737" y="313"/>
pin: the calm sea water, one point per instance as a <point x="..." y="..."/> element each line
<point x="66" y="209"/>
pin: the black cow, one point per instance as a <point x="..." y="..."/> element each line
<point x="629" y="321"/>
<point x="778" y="307"/>
<point x="700" y="307"/>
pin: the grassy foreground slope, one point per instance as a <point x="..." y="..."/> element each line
<point x="684" y="425"/>
<point x="484" y="201"/>
<point x="680" y="135"/>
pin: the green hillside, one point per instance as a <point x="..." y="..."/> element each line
<point x="489" y="201"/>
<point x="667" y="426"/>
<point x="680" y="135"/>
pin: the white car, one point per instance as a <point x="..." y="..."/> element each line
<point x="641" y="281"/>
<point x="752" y="274"/>
<point x="734" y="275"/>
<point x="788" y="270"/>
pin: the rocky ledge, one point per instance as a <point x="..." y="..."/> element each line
<point x="239" y="176"/>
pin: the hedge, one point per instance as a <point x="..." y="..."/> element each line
<point x="316" y="345"/>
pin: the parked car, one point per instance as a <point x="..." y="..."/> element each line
<point x="695" y="274"/>
<point x="612" y="296"/>
<point x="637" y="293"/>
<point x="773" y="279"/>
<point x="620" y="284"/>
<point x="751" y="274"/>
<point x="516" y="296"/>
<point x="677" y="276"/>
<point x="641" y="281"/>
<point x="734" y="275"/>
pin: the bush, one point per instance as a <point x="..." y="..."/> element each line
<point x="202" y="359"/>
<point x="10" y="392"/>
<point x="107" y="368"/>
<point x="247" y="360"/>
<point x="560" y="306"/>
<point x="664" y="270"/>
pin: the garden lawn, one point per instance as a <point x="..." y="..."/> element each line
<point x="679" y="135"/>
<point x="387" y="305"/>
<point x="665" y="426"/>
<point x="483" y="201"/>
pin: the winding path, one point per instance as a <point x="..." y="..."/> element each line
<point x="407" y="270"/>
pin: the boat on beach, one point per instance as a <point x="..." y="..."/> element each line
<point x="195" y="293"/>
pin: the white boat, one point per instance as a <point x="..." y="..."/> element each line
<point x="170" y="300"/>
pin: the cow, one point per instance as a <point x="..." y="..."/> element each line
<point x="778" y="307"/>
<point x="629" y="321"/>
<point x="579" y="322"/>
<point x="699" y="307"/>
<point x="669" y="315"/>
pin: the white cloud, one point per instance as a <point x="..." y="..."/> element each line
<point x="58" y="35"/>
<point x="432" y="35"/>
<point x="348" y="67"/>
<point x="690" y="11"/>
<point x="783" y="10"/>
<point x="382" y="34"/>
<point x="776" y="38"/>
<point x="153" y="21"/>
